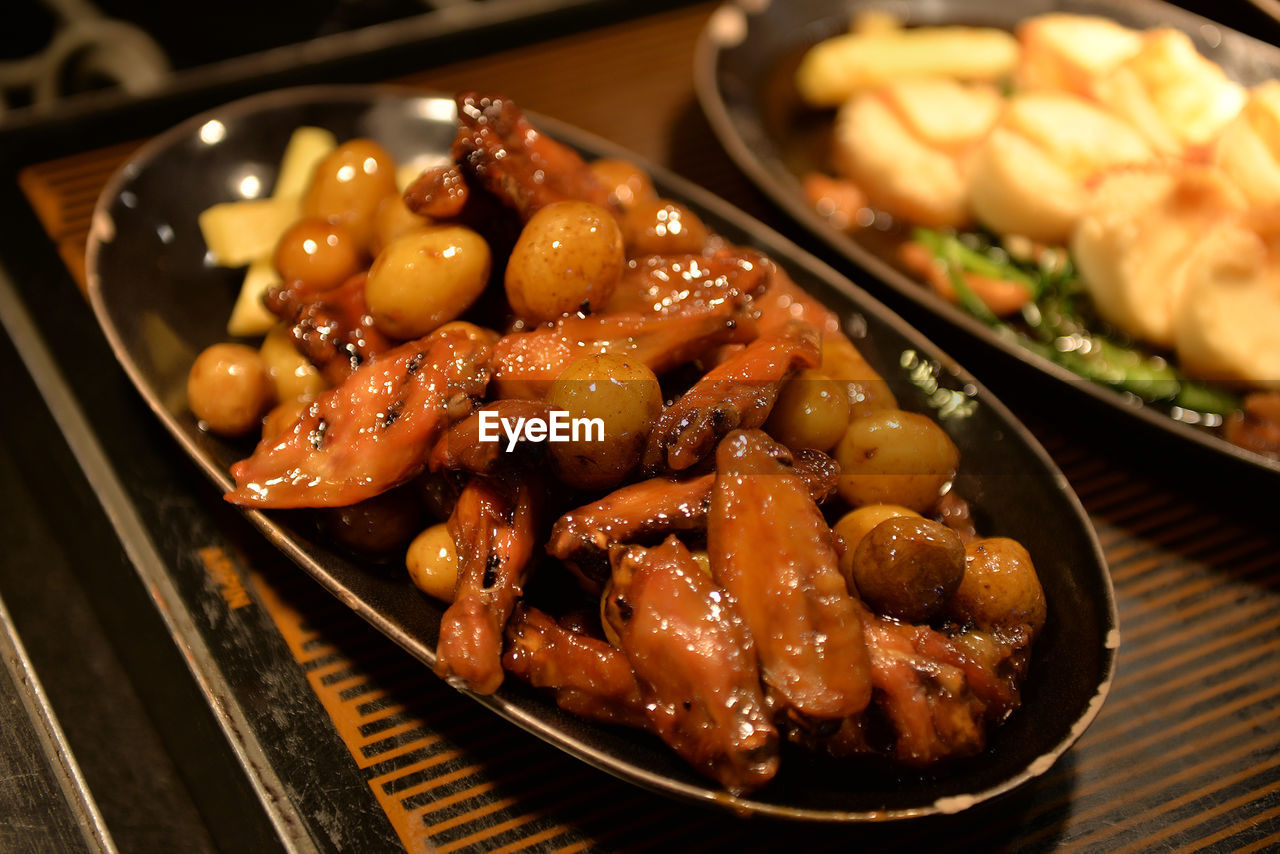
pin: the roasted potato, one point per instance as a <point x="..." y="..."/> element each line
<point x="1000" y="588"/>
<point x="908" y="567"/>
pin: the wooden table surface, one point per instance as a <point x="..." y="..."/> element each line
<point x="1184" y="756"/>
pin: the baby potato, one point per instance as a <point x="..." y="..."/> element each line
<point x="627" y="183"/>
<point x="569" y="257"/>
<point x="894" y="457"/>
<point x="1000" y="588"/>
<point x="426" y="278"/>
<point x="867" y="390"/>
<point x="318" y="253"/>
<point x="812" y="411"/>
<point x="624" y="394"/>
<point x="392" y="219"/>
<point x="432" y="561"/>
<point x="908" y="567"/>
<point x="349" y="184"/>
<point x="662" y="227"/>
<point x="229" y="388"/>
<point x="855" y="525"/>
<point x="292" y="375"/>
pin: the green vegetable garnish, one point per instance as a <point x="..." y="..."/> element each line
<point x="1059" y="326"/>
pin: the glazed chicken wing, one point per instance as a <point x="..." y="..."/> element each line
<point x="662" y="283"/>
<point x="696" y="664"/>
<point x="526" y="363"/>
<point x="492" y="526"/>
<point x="772" y="550"/>
<point x="738" y="393"/>
<point x="647" y="511"/>
<point x="461" y="447"/>
<point x="588" y="676"/>
<point x="332" y="328"/>
<point x="370" y="433"/>
<point x="497" y="148"/>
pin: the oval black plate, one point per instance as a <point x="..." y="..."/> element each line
<point x="159" y="303"/>
<point x="745" y="61"/>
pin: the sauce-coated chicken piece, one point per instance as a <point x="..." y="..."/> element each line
<point x="663" y="282"/>
<point x="498" y="149"/>
<point x="370" y="433"/>
<point x="783" y="302"/>
<point x="332" y="328"/>
<point x="738" y="393"/>
<point x="638" y="513"/>
<point x="772" y="550"/>
<point x="461" y="446"/>
<point x="647" y="511"/>
<point x="526" y="363"/>
<point x="696" y="664"/>
<point x="588" y="676"/>
<point x="492" y="527"/>
<point x="928" y="703"/>
<point x="438" y="193"/>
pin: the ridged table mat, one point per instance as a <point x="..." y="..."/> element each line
<point x="1184" y="756"/>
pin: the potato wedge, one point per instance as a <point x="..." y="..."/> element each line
<point x="837" y="68"/>
<point x="307" y="147"/>
<point x="236" y="233"/>
<point x="249" y="317"/>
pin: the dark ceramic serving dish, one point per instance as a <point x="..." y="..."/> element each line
<point x="159" y="303"/>
<point x="743" y="70"/>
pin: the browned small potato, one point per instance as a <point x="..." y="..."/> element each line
<point x="1000" y="587"/>
<point x="432" y="561"/>
<point x="292" y="374"/>
<point x="867" y="390"/>
<point x="568" y="258"/>
<point x="392" y="219"/>
<point x="229" y="388"/>
<point x="625" y="396"/>
<point x="376" y="526"/>
<point x="894" y="457"/>
<point x="812" y="411"/>
<point x="349" y="184"/>
<point x="627" y="183"/>
<point x="908" y="567"/>
<point x="318" y="253"/>
<point x="662" y="227"/>
<point x="283" y="416"/>
<point x="855" y="525"/>
<point x="426" y="278"/>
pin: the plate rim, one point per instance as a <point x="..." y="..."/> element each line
<point x="102" y="230"/>
<point x="707" y="51"/>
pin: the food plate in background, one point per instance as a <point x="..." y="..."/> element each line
<point x="744" y="70"/>
<point x="160" y="302"/>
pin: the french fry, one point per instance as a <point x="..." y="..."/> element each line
<point x="250" y="317"/>
<point x="307" y="147"/>
<point x="837" y="68"/>
<point x="238" y="233"/>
